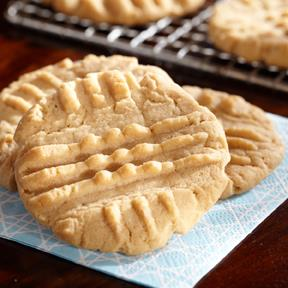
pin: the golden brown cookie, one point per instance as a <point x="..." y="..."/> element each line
<point x="255" y="146"/>
<point x="120" y="161"/>
<point x="128" y="12"/>
<point x="253" y="29"/>
<point x="19" y="97"/>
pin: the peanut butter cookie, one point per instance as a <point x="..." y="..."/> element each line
<point x="255" y="146"/>
<point x="125" y="11"/>
<point x="119" y="161"/>
<point x="256" y="30"/>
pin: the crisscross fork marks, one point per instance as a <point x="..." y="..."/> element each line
<point x="48" y="156"/>
<point x="122" y="217"/>
<point x="111" y="182"/>
<point x="68" y="174"/>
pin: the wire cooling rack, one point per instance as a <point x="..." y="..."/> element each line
<point x="181" y="41"/>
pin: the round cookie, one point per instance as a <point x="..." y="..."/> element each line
<point x="256" y="30"/>
<point x="255" y="147"/>
<point x="125" y="11"/>
<point x="21" y="95"/>
<point x="119" y="161"/>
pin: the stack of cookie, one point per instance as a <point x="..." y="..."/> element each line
<point x="114" y="156"/>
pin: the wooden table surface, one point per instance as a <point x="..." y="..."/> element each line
<point x="261" y="260"/>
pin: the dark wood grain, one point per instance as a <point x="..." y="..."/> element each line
<point x="259" y="261"/>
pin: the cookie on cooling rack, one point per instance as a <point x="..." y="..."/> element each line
<point x="255" y="147"/>
<point x="21" y="95"/>
<point x="256" y="30"/>
<point x="125" y="12"/>
<point x="119" y="161"/>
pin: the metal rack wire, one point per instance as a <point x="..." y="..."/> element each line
<point x="181" y="41"/>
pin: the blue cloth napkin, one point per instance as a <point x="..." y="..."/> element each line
<point x="186" y="259"/>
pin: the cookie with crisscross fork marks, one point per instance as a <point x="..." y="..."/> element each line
<point x="21" y="95"/>
<point x="119" y="161"/>
<point x="125" y="11"/>
<point x="255" y="147"/>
